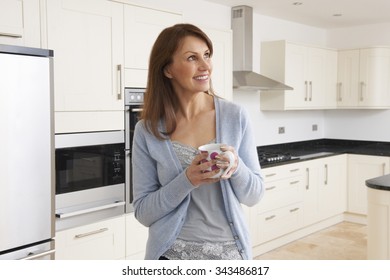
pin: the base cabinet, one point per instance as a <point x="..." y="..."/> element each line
<point x="281" y="209"/>
<point x="378" y="236"/>
<point x="325" y="192"/>
<point x="360" y="169"/>
<point x="104" y="240"/>
<point x="136" y="238"/>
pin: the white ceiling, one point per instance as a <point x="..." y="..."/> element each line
<point x="320" y="13"/>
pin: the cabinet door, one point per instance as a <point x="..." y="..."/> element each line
<point x="296" y="76"/>
<point x="374" y="81"/>
<point x="20" y="23"/>
<point x="222" y="60"/>
<point x="360" y="169"/>
<point x="332" y="186"/>
<point x="310" y="201"/>
<point x="347" y="78"/>
<point x="99" y="241"/>
<point x="136" y="238"/>
<point x="330" y="89"/>
<point x="86" y="37"/>
<point x="316" y="77"/>
<point x="141" y="28"/>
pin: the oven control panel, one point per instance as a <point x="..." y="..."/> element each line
<point x="134" y="96"/>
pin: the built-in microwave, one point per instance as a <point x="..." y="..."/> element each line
<point x="90" y="177"/>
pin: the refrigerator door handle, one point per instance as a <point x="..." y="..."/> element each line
<point x="33" y="256"/>
<point x="89" y="210"/>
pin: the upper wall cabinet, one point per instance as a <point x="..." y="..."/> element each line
<point x="20" y="23"/>
<point x="311" y="71"/>
<point x="87" y="39"/>
<point x="222" y="61"/>
<point x="141" y="28"/>
<point x="364" y="78"/>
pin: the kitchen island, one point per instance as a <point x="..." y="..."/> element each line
<point x="378" y="218"/>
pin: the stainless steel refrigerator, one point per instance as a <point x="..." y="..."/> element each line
<point x="26" y="154"/>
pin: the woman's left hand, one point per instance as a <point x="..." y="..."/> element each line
<point x="223" y="162"/>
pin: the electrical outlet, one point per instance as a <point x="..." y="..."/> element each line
<point x="314" y="127"/>
<point x="281" y="129"/>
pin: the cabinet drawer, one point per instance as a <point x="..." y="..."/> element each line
<point x="282" y="172"/>
<point x="282" y="192"/>
<point x="273" y="224"/>
<point x="98" y="241"/>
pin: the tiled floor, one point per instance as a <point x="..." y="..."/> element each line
<point x="344" y="241"/>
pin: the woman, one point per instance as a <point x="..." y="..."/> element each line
<point x="189" y="214"/>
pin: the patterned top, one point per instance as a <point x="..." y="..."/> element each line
<point x="206" y="234"/>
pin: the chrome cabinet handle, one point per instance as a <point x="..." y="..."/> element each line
<point x="89" y="210"/>
<point x="340" y="97"/>
<point x="136" y="110"/>
<point x="270" y="188"/>
<point x="3" y="34"/>
<point x="294" y="182"/>
<point x="362" y="84"/>
<point x="294" y="209"/>
<point x="307" y="178"/>
<point x="82" y="235"/>
<point x="306" y="91"/>
<point x="38" y="255"/>
<point x="270" y="217"/>
<point x="326" y="175"/>
<point x="294" y="170"/>
<point x="311" y="90"/>
<point x="119" y="81"/>
<point x="270" y="175"/>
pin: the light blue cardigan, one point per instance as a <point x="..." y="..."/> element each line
<point x="161" y="187"/>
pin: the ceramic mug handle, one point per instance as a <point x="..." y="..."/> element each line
<point x="230" y="155"/>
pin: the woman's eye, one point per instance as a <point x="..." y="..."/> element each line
<point x="207" y="55"/>
<point x="192" y="57"/>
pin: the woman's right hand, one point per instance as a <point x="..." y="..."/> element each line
<point x="197" y="171"/>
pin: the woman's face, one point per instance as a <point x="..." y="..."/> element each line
<point x="191" y="68"/>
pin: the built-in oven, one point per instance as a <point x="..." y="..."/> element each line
<point x="134" y="99"/>
<point x="90" y="177"/>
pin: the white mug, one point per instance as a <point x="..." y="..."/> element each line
<point x="213" y="151"/>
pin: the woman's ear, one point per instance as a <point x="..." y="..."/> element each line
<point x="167" y="73"/>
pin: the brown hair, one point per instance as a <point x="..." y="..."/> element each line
<point x="161" y="101"/>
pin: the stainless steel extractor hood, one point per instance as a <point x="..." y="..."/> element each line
<point x="243" y="75"/>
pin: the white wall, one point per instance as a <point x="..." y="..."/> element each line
<point x="343" y="124"/>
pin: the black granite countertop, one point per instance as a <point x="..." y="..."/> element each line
<point x="304" y="150"/>
<point x="379" y="183"/>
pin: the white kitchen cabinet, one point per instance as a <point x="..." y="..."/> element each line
<point x="325" y="188"/>
<point x="281" y="210"/>
<point x="103" y="240"/>
<point x="364" y="78"/>
<point x="20" y="23"/>
<point x="136" y="238"/>
<point x="141" y="27"/>
<point x="309" y="70"/>
<point x="222" y="77"/>
<point x="360" y="169"/>
<point x="87" y="39"/>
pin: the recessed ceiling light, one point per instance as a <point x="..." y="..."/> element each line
<point x="297" y="3"/>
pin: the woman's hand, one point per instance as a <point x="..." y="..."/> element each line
<point x="197" y="172"/>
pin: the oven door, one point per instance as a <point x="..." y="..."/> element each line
<point x="131" y="118"/>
